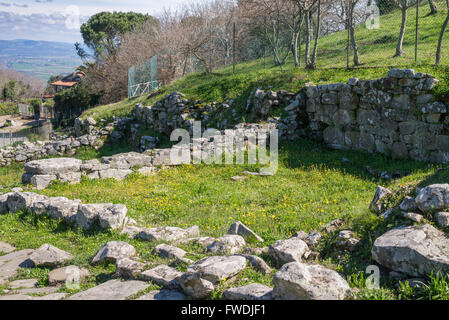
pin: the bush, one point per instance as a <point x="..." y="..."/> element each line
<point x="8" y="108"/>
<point x="69" y="104"/>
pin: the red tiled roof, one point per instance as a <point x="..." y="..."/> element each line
<point x="64" y="83"/>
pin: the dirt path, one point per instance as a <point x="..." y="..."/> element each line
<point x="19" y="123"/>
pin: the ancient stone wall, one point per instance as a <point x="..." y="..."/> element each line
<point x="397" y="115"/>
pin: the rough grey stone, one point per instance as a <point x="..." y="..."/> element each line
<point x="250" y="292"/>
<point x="23" y="200"/>
<point x="408" y="204"/>
<point x="53" y="166"/>
<point x="170" y="252"/>
<point x="49" y="256"/>
<point x="167" y="234"/>
<point x="218" y="268"/>
<point x="163" y="295"/>
<point x="6" y="247"/>
<point x="194" y="286"/>
<point x="376" y="204"/>
<point x="298" y="281"/>
<point x="285" y="251"/>
<point x="163" y="275"/>
<point x="114" y="250"/>
<point x="240" y="229"/>
<point x="41" y="182"/>
<point x="10" y="264"/>
<point x="129" y="269"/>
<point x="69" y="273"/>
<point x="442" y="218"/>
<point x="228" y="244"/>
<point x="433" y="198"/>
<point x="112" y="290"/>
<point x="415" y="250"/>
<point x="257" y="263"/>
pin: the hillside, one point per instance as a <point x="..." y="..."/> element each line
<point x="40" y="59"/>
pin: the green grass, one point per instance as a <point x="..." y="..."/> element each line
<point x="312" y="187"/>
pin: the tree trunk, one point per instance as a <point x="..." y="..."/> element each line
<point x="308" y="36"/>
<point x="433" y="7"/>
<point x="317" y="37"/>
<point x="399" y="50"/>
<point x="440" y="40"/>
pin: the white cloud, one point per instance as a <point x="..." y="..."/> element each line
<point x="30" y="16"/>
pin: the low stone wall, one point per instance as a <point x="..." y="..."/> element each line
<point x="397" y="115"/>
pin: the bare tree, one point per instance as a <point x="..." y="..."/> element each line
<point x="433" y="7"/>
<point x="440" y="40"/>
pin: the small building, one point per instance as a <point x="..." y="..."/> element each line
<point x="68" y="81"/>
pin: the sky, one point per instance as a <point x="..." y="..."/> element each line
<point x="59" y="20"/>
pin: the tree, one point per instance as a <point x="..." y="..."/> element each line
<point x="101" y="32"/>
<point x="403" y="5"/>
<point x="440" y="40"/>
<point x="433" y="7"/>
<point x="9" y="91"/>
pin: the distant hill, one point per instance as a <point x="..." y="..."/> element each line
<point x="40" y="59"/>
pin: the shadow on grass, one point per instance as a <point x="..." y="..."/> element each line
<point x="308" y="154"/>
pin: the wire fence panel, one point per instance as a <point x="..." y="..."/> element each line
<point x="383" y="33"/>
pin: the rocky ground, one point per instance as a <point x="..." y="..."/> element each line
<point x="409" y="252"/>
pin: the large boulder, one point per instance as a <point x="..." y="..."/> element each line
<point x="285" y="251"/>
<point x="298" y="281"/>
<point x="53" y="166"/>
<point x="217" y="268"/>
<point x="49" y="256"/>
<point x="417" y="250"/>
<point x="128" y="161"/>
<point x="433" y="198"/>
<point x="23" y="200"/>
<point x="69" y="273"/>
<point x="113" y="251"/>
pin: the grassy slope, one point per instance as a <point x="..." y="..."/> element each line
<point x="377" y="48"/>
<point x="313" y="186"/>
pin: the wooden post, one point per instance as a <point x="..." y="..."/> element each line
<point x="417" y="30"/>
<point x="233" y="49"/>
<point x="348" y="13"/>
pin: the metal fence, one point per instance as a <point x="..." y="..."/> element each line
<point x="43" y="133"/>
<point x="45" y="112"/>
<point x="142" y="77"/>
